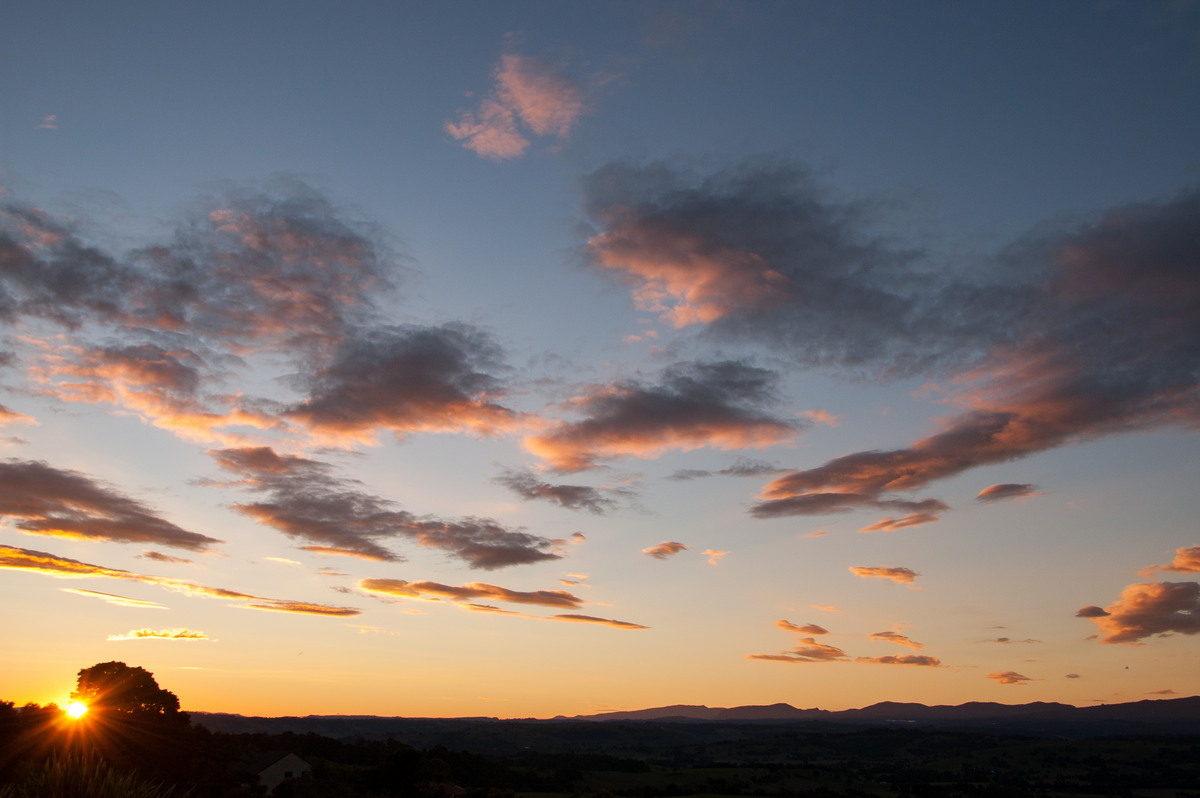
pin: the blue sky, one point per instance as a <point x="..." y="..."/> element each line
<point x="512" y="294"/>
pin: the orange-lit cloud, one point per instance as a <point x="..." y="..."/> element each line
<point x="8" y="416"/>
<point x="602" y="621"/>
<point x="529" y="92"/>
<point x="1009" y="677"/>
<point x="470" y="592"/>
<point x="892" y="524"/>
<point x="897" y="638"/>
<point x="809" y="650"/>
<point x="1007" y="490"/>
<point x="805" y="629"/>
<point x="1148" y="609"/>
<point x="63" y="567"/>
<point x="406" y="380"/>
<point x="696" y="405"/>
<point x="158" y="556"/>
<point x="1187" y="561"/>
<point x="305" y="499"/>
<point x="905" y="659"/>
<point x="714" y="555"/>
<point x="662" y="551"/>
<point x="902" y="575"/>
<point x="42" y="500"/>
<point x="160" y="634"/>
<point x="120" y="601"/>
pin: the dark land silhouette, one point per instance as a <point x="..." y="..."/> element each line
<point x="135" y="743"/>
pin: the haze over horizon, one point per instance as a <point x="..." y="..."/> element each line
<point x="526" y="359"/>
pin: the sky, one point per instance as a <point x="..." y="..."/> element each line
<point x="523" y="359"/>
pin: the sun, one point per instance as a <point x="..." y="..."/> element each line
<point x="76" y="709"/>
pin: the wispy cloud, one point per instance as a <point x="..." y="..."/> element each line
<point x="63" y="567"/>
<point x="695" y="405"/>
<point x="804" y="629"/>
<point x="901" y="575"/>
<point x="473" y="591"/>
<point x="905" y="659"/>
<point x="892" y="524"/>
<point x="43" y="500"/>
<point x="714" y="555"/>
<point x="809" y="650"/>
<point x="306" y="499"/>
<point x="119" y="601"/>
<point x="1006" y="490"/>
<point x="1186" y="561"/>
<point x="598" y="501"/>
<point x="897" y="638"/>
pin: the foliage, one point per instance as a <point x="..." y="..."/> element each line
<point x="76" y="776"/>
<point x="115" y="687"/>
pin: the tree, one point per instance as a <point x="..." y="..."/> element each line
<point x="115" y="688"/>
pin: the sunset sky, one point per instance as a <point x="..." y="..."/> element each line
<point x="532" y="358"/>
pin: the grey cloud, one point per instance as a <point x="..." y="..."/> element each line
<point x="308" y="501"/>
<point x="44" y="500"/>
<point x="598" y="501"/>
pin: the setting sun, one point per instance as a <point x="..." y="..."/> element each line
<point x="76" y="709"/>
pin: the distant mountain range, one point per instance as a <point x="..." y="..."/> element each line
<point x="1165" y="716"/>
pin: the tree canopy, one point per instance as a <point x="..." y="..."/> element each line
<point x="114" y="687"/>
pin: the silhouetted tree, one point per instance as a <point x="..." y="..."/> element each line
<point x="115" y="688"/>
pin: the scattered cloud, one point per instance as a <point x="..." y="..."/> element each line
<point x="1146" y="610"/>
<point x="160" y="634"/>
<point x="470" y="592"/>
<point x="529" y="93"/>
<point x="49" y="122"/>
<point x="1007" y="490"/>
<point x="120" y="601"/>
<point x="695" y="405"/>
<point x="602" y="621"/>
<point x="805" y="629"/>
<point x="901" y="575"/>
<point x="906" y="659"/>
<point x="1187" y="561"/>
<point x="158" y="556"/>
<point x="1009" y="677"/>
<point x="406" y="380"/>
<point x="1167" y="691"/>
<point x="897" y="638"/>
<point x="809" y="650"/>
<point x="892" y="524"/>
<point x="664" y="550"/>
<point x="305" y="499"/>
<point x="598" y="501"/>
<point x="42" y="500"/>
<point x="62" y="567"/>
<point x="714" y="556"/>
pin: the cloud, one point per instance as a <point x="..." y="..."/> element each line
<point x="1009" y="677"/>
<point x="902" y="575"/>
<point x="598" y="501"/>
<point x="806" y="629"/>
<point x="1148" y="609"/>
<point x="897" y="638"/>
<point x="268" y="269"/>
<point x="62" y="567"/>
<point x="305" y="499"/>
<point x="119" y="601"/>
<point x="906" y="659"/>
<point x="694" y="405"/>
<point x="49" y="122"/>
<point x="529" y="92"/>
<point x="470" y="592"/>
<point x="1007" y="490"/>
<point x="1187" y="561"/>
<point x="602" y="621"/>
<point x="744" y="467"/>
<point x="406" y="380"/>
<point x="160" y="634"/>
<point x="714" y="555"/>
<point x="42" y="500"/>
<point x="892" y="524"/>
<point x="809" y="650"/>
<point x="8" y="416"/>
<point x="664" y="550"/>
<point x="158" y="556"/>
<point x="1103" y="339"/>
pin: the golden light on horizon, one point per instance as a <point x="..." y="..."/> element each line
<point x="76" y="709"/>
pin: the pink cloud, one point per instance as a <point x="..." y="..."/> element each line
<point x="901" y="575"/>
<point x="892" y="524"/>
<point x="664" y="550"/>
